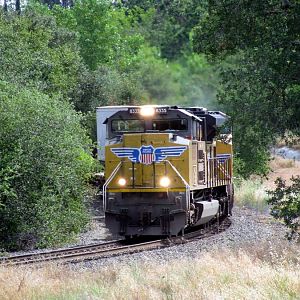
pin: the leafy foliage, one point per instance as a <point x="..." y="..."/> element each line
<point x="257" y="43"/>
<point x="44" y="166"/>
<point x="104" y="86"/>
<point x="189" y="80"/>
<point x="105" y="34"/>
<point x="36" y="52"/>
<point x="170" y="25"/>
<point x="285" y="204"/>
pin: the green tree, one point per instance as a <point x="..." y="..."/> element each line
<point x="109" y="46"/>
<point x="189" y="80"/>
<point x="155" y="77"/>
<point x="105" y="33"/>
<point x="257" y="46"/>
<point x="44" y="167"/>
<point x="104" y="86"/>
<point x="170" y="25"/>
<point x="36" y="52"/>
<point x="198" y="81"/>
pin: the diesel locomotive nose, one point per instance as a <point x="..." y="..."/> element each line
<point x="165" y="168"/>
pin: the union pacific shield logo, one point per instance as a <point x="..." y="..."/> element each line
<point x="148" y="154"/>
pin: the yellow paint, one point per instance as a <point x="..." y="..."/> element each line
<point x="188" y="165"/>
<point x="225" y="148"/>
<point x="222" y="148"/>
<point x="143" y="174"/>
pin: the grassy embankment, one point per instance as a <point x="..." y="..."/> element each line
<point x="247" y="273"/>
<point x="253" y="192"/>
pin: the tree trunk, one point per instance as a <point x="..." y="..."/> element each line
<point x="18" y="6"/>
<point x="5" y="5"/>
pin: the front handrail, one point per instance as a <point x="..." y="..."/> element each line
<point x="110" y="178"/>
<point x="187" y="186"/>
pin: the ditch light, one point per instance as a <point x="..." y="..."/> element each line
<point x="164" y="181"/>
<point x="122" y="181"/>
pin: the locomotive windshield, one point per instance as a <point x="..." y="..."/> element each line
<point x="171" y="124"/>
<point x="128" y="125"/>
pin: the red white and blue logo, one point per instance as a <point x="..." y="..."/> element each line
<point x="148" y="154"/>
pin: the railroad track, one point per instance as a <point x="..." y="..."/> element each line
<point x="112" y="248"/>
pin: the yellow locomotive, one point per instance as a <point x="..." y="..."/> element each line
<point x="166" y="168"/>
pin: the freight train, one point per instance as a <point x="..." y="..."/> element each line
<point x="167" y="168"/>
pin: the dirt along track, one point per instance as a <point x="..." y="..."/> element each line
<point x="112" y="248"/>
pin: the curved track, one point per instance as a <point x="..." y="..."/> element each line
<point x="113" y="248"/>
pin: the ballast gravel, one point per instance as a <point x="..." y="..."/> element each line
<point x="249" y="228"/>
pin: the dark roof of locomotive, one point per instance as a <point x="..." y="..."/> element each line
<point x="216" y="118"/>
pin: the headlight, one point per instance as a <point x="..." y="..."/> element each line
<point x="147" y="111"/>
<point x="122" y="181"/>
<point x="164" y="181"/>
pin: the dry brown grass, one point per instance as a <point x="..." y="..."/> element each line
<point x="251" y="273"/>
<point x="252" y="192"/>
<point x="296" y="147"/>
<point x="284" y="168"/>
<point x="279" y="162"/>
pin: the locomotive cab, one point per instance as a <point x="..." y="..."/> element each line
<point x="179" y="122"/>
<point x="165" y="169"/>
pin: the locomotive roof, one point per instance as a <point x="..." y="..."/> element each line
<point x="186" y="112"/>
<point x="195" y="112"/>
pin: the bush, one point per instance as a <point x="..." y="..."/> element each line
<point x="285" y="204"/>
<point x="44" y="167"/>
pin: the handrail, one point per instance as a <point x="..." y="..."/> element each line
<point x="187" y="186"/>
<point x="214" y="166"/>
<point x="112" y="175"/>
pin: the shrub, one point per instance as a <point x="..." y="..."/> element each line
<point x="44" y="166"/>
<point x="285" y="204"/>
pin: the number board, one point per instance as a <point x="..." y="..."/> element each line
<point x="134" y="111"/>
<point x="158" y="110"/>
<point x="161" y="110"/>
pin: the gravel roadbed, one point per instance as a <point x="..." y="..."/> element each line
<point x="249" y="228"/>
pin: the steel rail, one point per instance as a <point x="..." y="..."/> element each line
<point x="57" y="253"/>
<point x="112" y="248"/>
